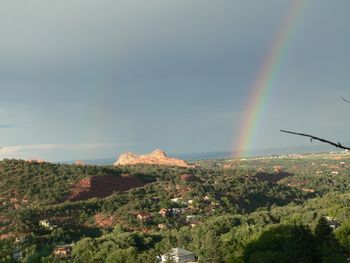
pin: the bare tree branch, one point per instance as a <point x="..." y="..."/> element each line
<point x="346" y="100"/>
<point x="338" y="145"/>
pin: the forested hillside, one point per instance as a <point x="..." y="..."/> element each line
<point x="252" y="210"/>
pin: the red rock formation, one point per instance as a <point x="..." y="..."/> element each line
<point x="156" y="157"/>
<point x="36" y="161"/>
<point x="78" y="162"/>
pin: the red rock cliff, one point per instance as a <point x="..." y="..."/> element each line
<point x="156" y="157"/>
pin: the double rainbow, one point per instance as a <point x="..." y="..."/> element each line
<point x="262" y="83"/>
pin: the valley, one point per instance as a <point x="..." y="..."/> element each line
<point x="146" y="209"/>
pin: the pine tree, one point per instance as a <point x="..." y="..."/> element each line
<point x="329" y="247"/>
<point x="323" y="232"/>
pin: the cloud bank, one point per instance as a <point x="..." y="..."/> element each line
<point x="55" y="152"/>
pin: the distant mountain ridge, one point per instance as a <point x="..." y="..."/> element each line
<point x="315" y="148"/>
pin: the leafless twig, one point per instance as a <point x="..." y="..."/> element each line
<point x="338" y="145"/>
<point x="346" y="100"/>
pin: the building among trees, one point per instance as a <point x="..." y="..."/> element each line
<point x="178" y="255"/>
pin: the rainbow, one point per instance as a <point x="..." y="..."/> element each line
<point x="262" y="82"/>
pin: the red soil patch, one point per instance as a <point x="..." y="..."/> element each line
<point x="105" y="221"/>
<point x="102" y="186"/>
<point x="189" y="178"/>
<point x="273" y="177"/>
<point x="7" y="236"/>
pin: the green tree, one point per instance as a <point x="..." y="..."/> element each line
<point x="289" y="243"/>
<point x="323" y="232"/>
<point x="84" y="250"/>
<point x="267" y="256"/>
<point x="6" y="251"/>
<point x="328" y="245"/>
<point x="207" y="245"/>
<point x="343" y="235"/>
<point x="128" y="255"/>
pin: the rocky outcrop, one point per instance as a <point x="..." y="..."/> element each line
<point x="39" y="161"/>
<point x="156" y="157"/>
<point x="80" y="163"/>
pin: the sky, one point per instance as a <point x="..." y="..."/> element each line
<point x="88" y="79"/>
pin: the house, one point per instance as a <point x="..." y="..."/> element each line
<point x="194" y="224"/>
<point x="20" y="240"/>
<point x="143" y="217"/>
<point x="62" y="251"/>
<point x="228" y="166"/>
<point x="162" y="226"/>
<point x="175" y="200"/>
<point x="307" y="190"/>
<point x="46" y="224"/>
<point x="215" y="204"/>
<point x="176" y="211"/>
<point x="145" y="230"/>
<point x="189" y="217"/>
<point x="164" y="212"/>
<point x="332" y="222"/>
<point x="179" y="255"/>
<point x="206" y="198"/>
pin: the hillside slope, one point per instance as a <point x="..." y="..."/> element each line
<point x="102" y="186"/>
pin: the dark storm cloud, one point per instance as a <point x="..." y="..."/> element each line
<point x="115" y="71"/>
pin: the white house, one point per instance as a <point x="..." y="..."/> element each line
<point x="175" y="200"/>
<point x="332" y="222"/>
<point x="46" y="224"/>
<point x="179" y="255"/>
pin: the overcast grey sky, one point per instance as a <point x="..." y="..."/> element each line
<point x="88" y="79"/>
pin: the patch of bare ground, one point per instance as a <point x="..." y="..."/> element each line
<point x="273" y="177"/>
<point x="7" y="236"/>
<point x="105" y="221"/>
<point x="102" y="186"/>
<point x="189" y="178"/>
